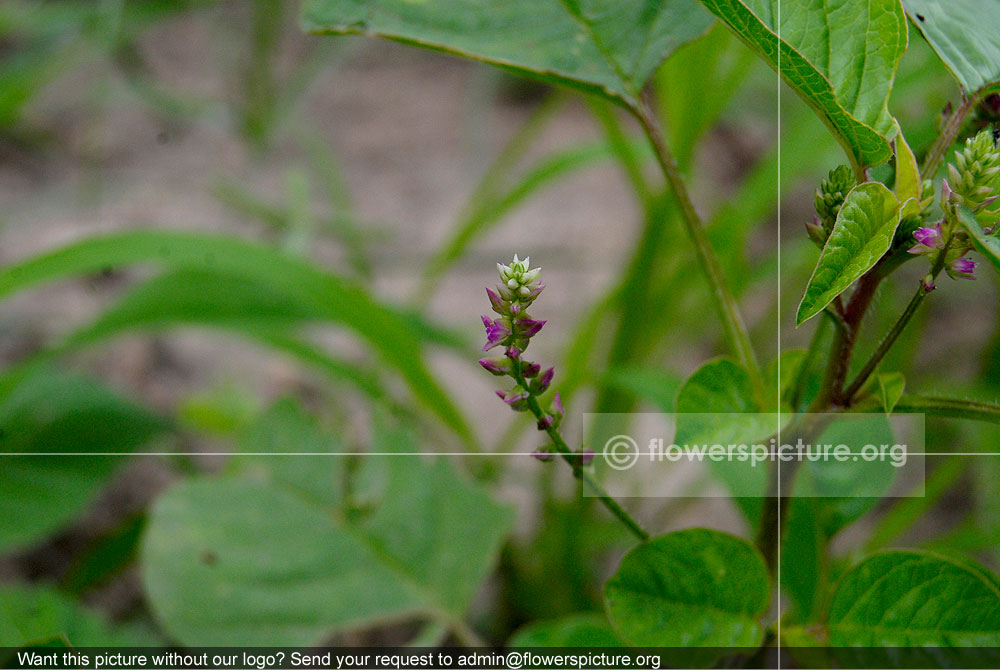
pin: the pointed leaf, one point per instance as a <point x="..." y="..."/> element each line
<point x="862" y="234"/>
<point x="891" y="386"/>
<point x="611" y="46"/>
<point x="908" y="184"/>
<point x="841" y="57"/>
<point x="247" y="267"/>
<point x="964" y="35"/>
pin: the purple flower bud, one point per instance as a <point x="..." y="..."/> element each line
<point x="587" y="456"/>
<point x="495" y="366"/>
<point x="930" y="237"/>
<point x="528" y="328"/>
<point x="541" y="384"/>
<point x="962" y="267"/>
<point x="517" y="398"/>
<point x="495" y="301"/>
<point x="928" y="284"/>
<point x="530" y="369"/>
<point x="557" y="404"/>
<point x="501" y="395"/>
<point x="543" y="454"/>
<point x="513" y="353"/>
<point x="816" y="232"/>
<point x="928" y="240"/>
<point x="546" y="422"/>
<point x="496" y="333"/>
<point x="516" y="308"/>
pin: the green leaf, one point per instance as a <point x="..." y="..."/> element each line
<point x="305" y="288"/>
<point x="599" y="45"/>
<point x="963" y="33"/>
<point x="908" y="182"/>
<point x="249" y="559"/>
<point x="862" y="234"/>
<point x="913" y="599"/>
<point x="840" y="57"/>
<point x="57" y="413"/>
<point x="987" y="245"/>
<point x="576" y="630"/>
<point x="691" y="588"/>
<point x="655" y="386"/>
<point x="716" y="405"/>
<point x="891" y="386"/>
<point x="42" y="613"/>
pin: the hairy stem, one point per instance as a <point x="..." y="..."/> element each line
<point x="897" y="328"/>
<point x="951" y="408"/>
<point x="575" y="461"/>
<point x="932" y="161"/>
<point x="732" y="321"/>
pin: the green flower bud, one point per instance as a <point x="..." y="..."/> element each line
<point x="974" y="176"/>
<point x="831" y="194"/>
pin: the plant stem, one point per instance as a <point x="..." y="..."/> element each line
<point x="951" y="408"/>
<point x="947" y="137"/>
<point x="732" y="321"/>
<point x="898" y="327"/>
<point x="575" y="461"/>
<point x="886" y="344"/>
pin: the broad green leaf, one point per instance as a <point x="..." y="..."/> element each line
<point x="42" y="613"/>
<point x="576" y="630"/>
<point x="307" y="289"/>
<point x="908" y="600"/>
<point x="891" y="386"/>
<point x="964" y="35"/>
<point x="841" y="57"/>
<point x="716" y="405"/>
<point x="908" y="182"/>
<point x="862" y="234"/>
<point x="266" y="563"/>
<point x="286" y="428"/>
<point x="691" y="588"/>
<point x="846" y="490"/>
<point x="987" y="245"/>
<point x="600" y="45"/>
<point x="56" y="413"/>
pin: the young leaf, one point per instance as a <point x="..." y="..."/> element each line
<point x="692" y="588"/>
<point x="909" y="599"/>
<point x="862" y="234"/>
<point x="840" y="57"/>
<point x="987" y="245"/>
<point x="246" y="559"/>
<point x="891" y="386"/>
<point x="611" y="46"/>
<point x="908" y="184"/>
<point x="963" y="33"/>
